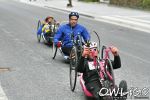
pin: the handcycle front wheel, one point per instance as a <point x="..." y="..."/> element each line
<point x="103" y="52"/>
<point x="108" y="65"/>
<point x="73" y="68"/>
<point x="54" y="50"/>
<point x="108" y="81"/>
<point x="109" y="71"/>
<point x="38" y="35"/>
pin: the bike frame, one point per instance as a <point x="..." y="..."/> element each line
<point x="103" y="72"/>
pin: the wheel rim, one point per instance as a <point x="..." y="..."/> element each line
<point x="73" y="69"/>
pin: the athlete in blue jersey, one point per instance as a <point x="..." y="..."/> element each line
<point x="64" y="33"/>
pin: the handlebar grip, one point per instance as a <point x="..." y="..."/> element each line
<point x="88" y="43"/>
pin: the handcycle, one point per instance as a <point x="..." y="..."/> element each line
<point x="103" y="68"/>
<point x="47" y="37"/>
<point x="74" y="56"/>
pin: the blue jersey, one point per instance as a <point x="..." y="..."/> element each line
<point x="64" y="34"/>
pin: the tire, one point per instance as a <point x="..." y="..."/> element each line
<point x="39" y="24"/>
<point x="123" y="85"/>
<point x="79" y="47"/>
<point x="99" y="98"/>
<point x="109" y="69"/>
<point x="73" y="68"/>
<point x="103" y="52"/>
<point x="54" y="51"/>
<point x="38" y="35"/>
<point x="39" y="38"/>
<point x="51" y="41"/>
<point x="108" y="83"/>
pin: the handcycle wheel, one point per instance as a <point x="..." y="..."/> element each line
<point x="110" y="74"/>
<point x="73" y="68"/>
<point x="123" y="85"/>
<point x="38" y="35"/>
<point x="108" y="66"/>
<point x="79" y="47"/>
<point x="103" y="52"/>
<point x="50" y="41"/>
<point x="54" y="50"/>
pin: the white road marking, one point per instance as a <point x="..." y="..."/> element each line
<point x="124" y="23"/>
<point x="2" y="94"/>
<point x="129" y="22"/>
<point x="135" y="19"/>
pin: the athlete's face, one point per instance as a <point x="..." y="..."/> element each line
<point x="50" y="20"/>
<point x="73" y="20"/>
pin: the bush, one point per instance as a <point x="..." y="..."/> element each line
<point x="90" y="0"/>
<point x="129" y="3"/>
<point x="146" y="4"/>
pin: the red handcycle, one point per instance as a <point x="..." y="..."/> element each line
<point x="103" y="68"/>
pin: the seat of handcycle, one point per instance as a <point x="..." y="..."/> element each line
<point x="91" y="77"/>
<point x="92" y="81"/>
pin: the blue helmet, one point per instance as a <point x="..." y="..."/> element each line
<point x="74" y="14"/>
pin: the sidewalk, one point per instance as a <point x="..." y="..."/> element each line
<point x="126" y="17"/>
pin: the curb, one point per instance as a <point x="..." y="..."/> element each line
<point x="102" y="19"/>
<point x="82" y="14"/>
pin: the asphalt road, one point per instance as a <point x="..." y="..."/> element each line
<point x="35" y="76"/>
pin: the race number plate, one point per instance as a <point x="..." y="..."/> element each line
<point x="91" y="65"/>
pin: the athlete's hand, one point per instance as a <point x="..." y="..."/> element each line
<point x="114" y="50"/>
<point x="59" y="44"/>
<point x="86" y="51"/>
